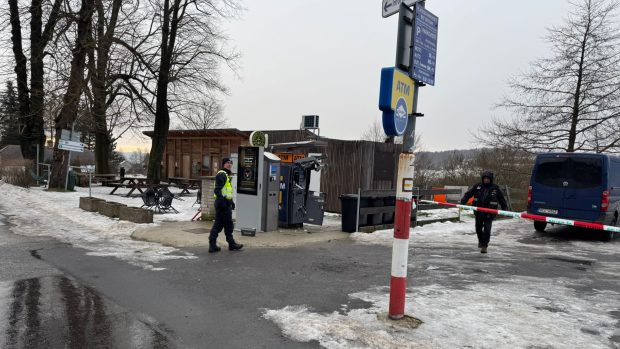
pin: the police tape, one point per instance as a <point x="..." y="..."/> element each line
<point x="529" y="216"/>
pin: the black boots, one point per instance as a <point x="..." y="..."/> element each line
<point x="233" y="246"/>
<point x="213" y="246"/>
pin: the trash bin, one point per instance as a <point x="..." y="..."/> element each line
<point x="71" y="180"/>
<point x="376" y="218"/>
<point x="388" y="218"/>
<point x="348" y="205"/>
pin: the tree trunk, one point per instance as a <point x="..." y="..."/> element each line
<point x="37" y="103"/>
<point x="572" y="133"/>
<point x="103" y="139"/>
<point x="71" y="100"/>
<point x="21" y="70"/>
<point x="162" y="117"/>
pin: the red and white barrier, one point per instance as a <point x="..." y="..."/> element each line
<point x="534" y="217"/>
<point x="400" y="247"/>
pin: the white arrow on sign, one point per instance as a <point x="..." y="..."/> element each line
<point x="71" y="146"/>
<point x="391" y="7"/>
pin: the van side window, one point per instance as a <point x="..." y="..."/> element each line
<point x="575" y="173"/>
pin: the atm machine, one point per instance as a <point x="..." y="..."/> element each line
<point x="298" y="204"/>
<point x="257" y="190"/>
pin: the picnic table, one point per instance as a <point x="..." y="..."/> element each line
<point x="185" y="184"/>
<point x="105" y="179"/>
<point x="134" y="183"/>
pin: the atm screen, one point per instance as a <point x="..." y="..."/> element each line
<point x="247" y="177"/>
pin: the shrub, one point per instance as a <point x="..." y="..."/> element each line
<point x="17" y="172"/>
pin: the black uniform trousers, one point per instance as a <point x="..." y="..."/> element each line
<point x="484" y="221"/>
<point x="223" y="220"/>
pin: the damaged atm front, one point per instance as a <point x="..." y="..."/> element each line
<point x="297" y="203"/>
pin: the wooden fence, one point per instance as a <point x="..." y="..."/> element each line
<point x="352" y="165"/>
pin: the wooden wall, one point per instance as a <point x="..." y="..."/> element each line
<point x="179" y="150"/>
<point x="355" y="164"/>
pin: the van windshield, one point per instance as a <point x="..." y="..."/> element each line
<point x="575" y="173"/>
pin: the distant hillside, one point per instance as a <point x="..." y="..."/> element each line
<point x="439" y="158"/>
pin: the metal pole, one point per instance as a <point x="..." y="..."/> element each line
<point x="400" y="247"/>
<point x="90" y="183"/>
<point x="357" y="218"/>
<point x="404" y="205"/>
<point x="69" y="160"/>
<point x="37" y="164"/>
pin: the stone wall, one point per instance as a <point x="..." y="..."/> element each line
<point x="208" y="202"/>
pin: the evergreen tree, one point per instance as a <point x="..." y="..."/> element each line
<point x="9" y="116"/>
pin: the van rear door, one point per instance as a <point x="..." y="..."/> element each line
<point x="584" y="187"/>
<point x="548" y="188"/>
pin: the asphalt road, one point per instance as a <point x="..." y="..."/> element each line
<point x="54" y="295"/>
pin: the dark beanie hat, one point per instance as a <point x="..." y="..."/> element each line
<point x="225" y="160"/>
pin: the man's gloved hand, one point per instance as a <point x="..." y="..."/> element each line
<point x="232" y="204"/>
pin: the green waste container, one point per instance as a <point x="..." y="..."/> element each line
<point x="71" y="180"/>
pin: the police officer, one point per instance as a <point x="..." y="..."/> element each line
<point x="488" y="195"/>
<point x="224" y="205"/>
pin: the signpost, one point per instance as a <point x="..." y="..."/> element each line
<point x="416" y="54"/>
<point x="424" y="45"/>
<point x="390" y="7"/>
<point x="69" y="141"/>
<point x="71" y="146"/>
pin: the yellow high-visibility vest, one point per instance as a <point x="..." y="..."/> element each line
<point x="227" y="190"/>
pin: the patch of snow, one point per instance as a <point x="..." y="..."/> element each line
<point x="538" y="313"/>
<point x="37" y="212"/>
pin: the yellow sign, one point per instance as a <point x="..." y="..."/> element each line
<point x="402" y="87"/>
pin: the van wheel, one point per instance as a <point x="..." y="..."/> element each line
<point x="540" y="226"/>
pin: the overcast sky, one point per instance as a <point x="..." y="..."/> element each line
<point x="324" y="57"/>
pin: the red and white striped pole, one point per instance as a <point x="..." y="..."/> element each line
<point x="400" y="247"/>
<point x="533" y="217"/>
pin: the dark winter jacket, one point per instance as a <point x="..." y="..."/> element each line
<point x="486" y="195"/>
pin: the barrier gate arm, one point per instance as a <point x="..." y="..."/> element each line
<point x="529" y="216"/>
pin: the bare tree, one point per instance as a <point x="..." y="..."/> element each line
<point x="569" y="101"/>
<point x="71" y="100"/>
<point x="32" y="100"/>
<point x="202" y="115"/>
<point x="188" y="57"/>
<point x="374" y="133"/>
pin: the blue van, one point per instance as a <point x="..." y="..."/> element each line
<point x="577" y="186"/>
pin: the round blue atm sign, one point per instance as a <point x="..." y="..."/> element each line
<point x="395" y="122"/>
<point x="400" y="116"/>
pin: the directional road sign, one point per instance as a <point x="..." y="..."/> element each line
<point x="391" y="7"/>
<point x="424" y="45"/>
<point x="70" y="135"/>
<point x="71" y="146"/>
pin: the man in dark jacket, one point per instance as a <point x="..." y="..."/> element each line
<point x="488" y="195"/>
<point x="224" y="205"/>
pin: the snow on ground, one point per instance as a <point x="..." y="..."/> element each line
<point x="444" y="229"/>
<point x="485" y="311"/>
<point x="532" y="314"/>
<point x="438" y="214"/>
<point x="37" y="212"/>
